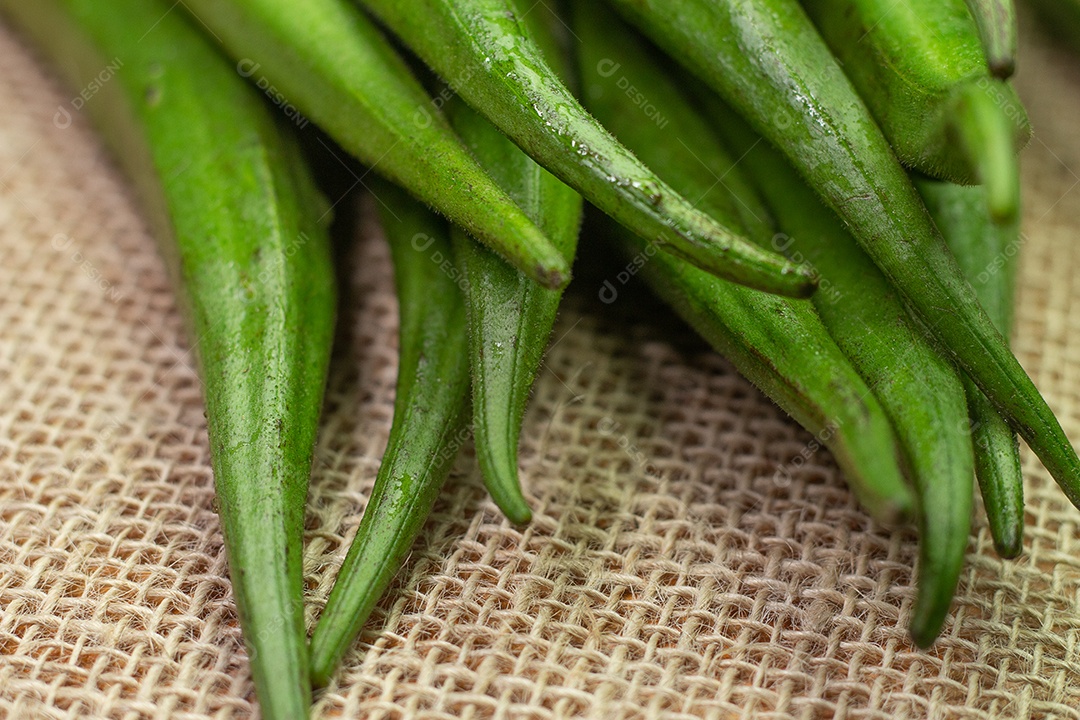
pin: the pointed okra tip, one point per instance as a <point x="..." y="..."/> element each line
<point x="933" y="598"/>
<point x="507" y="495"/>
<point x="925" y="630"/>
<point x="1009" y="544"/>
<point x="806" y="279"/>
<point x="321" y="672"/>
<point x="1003" y="200"/>
<point x="991" y="126"/>
<point x="498" y="467"/>
<point x="519" y="514"/>
<point x="540" y="261"/>
<point x="1002" y="67"/>
<point x="768" y="272"/>
<point x="895" y="511"/>
<point x="552" y="278"/>
<point x="778" y="276"/>
<point x="330" y="640"/>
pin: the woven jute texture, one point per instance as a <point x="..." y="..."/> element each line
<point x="666" y="575"/>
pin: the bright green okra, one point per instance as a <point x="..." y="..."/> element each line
<point x="510" y="318"/>
<point x="931" y="91"/>
<point x="987" y="253"/>
<point x="921" y="391"/>
<point x="236" y="215"/>
<point x="767" y="60"/>
<point x="482" y="48"/>
<point x="996" y="20"/>
<point x="778" y="344"/>
<point x="330" y="60"/>
<point x="430" y="422"/>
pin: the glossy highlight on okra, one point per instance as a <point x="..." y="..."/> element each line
<point x="513" y="86"/>
<point x="331" y="61"/>
<point x="766" y="59"/>
<point x="778" y="344"/>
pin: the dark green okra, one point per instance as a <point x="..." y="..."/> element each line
<point x="330" y="60"/>
<point x="778" y="344"/>
<point x="236" y="215"/>
<point x="987" y="253"/>
<point x="483" y="49"/>
<point x="996" y="20"/>
<point x="931" y="91"/>
<point x="921" y="391"/>
<point x="430" y="421"/>
<point x="767" y="60"/>
<point x="510" y="318"/>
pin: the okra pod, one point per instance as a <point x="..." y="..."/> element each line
<point x="330" y="61"/>
<point x="768" y="62"/>
<point x="510" y="318"/>
<point x="988" y="254"/>
<point x="920" y="390"/>
<point x="430" y="420"/>
<point x="996" y="20"/>
<point x="236" y="215"/>
<point x="778" y="344"/>
<point x="931" y="91"/>
<point x="485" y="50"/>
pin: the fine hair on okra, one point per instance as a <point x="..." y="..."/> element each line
<point x="920" y="67"/>
<point x="511" y="318"/>
<point x="987" y="253"/>
<point x="484" y="50"/>
<point x="766" y="59"/>
<point x="920" y="390"/>
<point x="430" y="418"/>
<point x="778" y="344"/>
<point x="237" y="218"/>
<point x="331" y="61"/>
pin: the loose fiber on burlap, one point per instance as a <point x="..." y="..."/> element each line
<point x="666" y="575"/>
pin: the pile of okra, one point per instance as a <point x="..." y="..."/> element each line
<point x="827" y="192"/>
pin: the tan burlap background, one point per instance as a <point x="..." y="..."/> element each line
<point x="666" y="575"/>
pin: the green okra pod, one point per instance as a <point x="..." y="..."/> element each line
<point x="996" y="20"/>
<point x="329" y="59"/>
<point x="236" y="215"/>
<point x="766" y="59"/>
<point x="931" y="91"/>
<point x="920" y="390"/>
<point x="988" y="254"/>
<point x="485" y="50"/>
<point x="510" y="318"/>
<point x="778" y="344"/>
<point x="430" y="420"/>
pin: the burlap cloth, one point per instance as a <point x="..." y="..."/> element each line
<point x="666" y="574"/>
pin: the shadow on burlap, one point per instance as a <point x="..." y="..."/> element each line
<point x="666" y="574"/>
